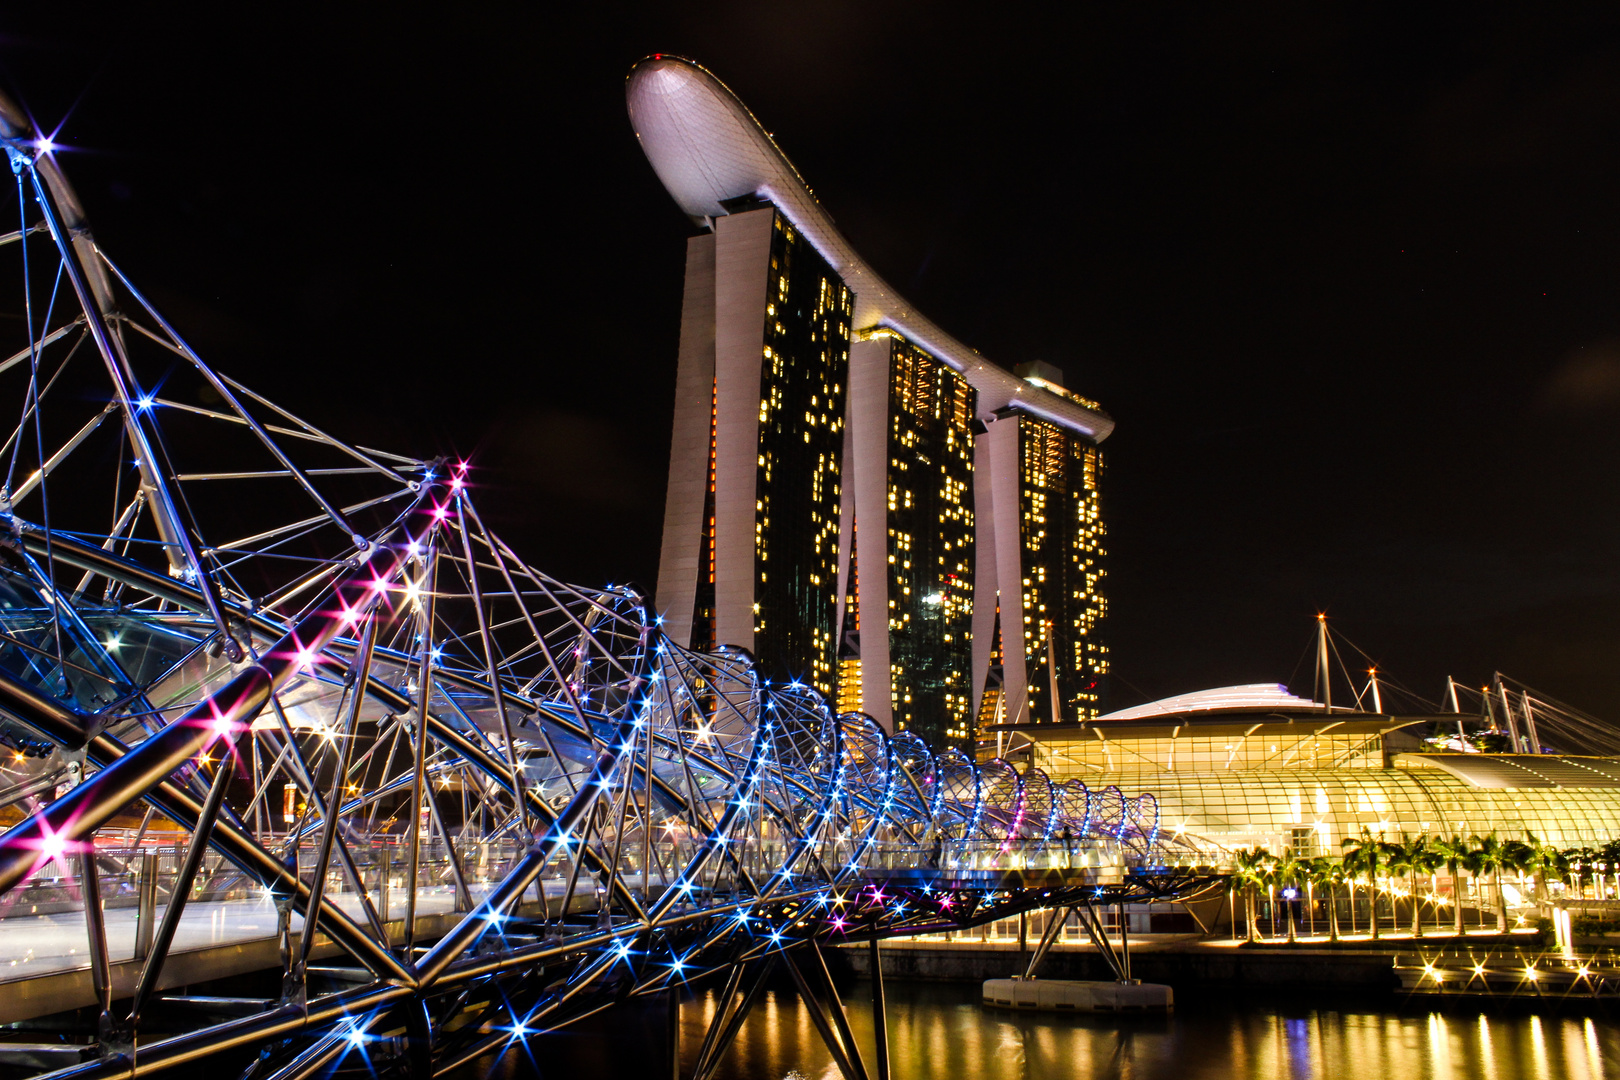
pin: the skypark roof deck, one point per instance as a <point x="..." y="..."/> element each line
<point x="714" y="157"/>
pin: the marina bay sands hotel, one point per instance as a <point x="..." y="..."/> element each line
<point x="855" y="497"/>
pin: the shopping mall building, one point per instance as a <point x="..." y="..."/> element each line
<point x="1250" y="766"/>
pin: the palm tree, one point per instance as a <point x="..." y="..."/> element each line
<point x="1361" y="856"/>
<point x="1608" y="859"/>
<point x="1432" y="861"/>
<point x="1313" y="880"/>
<point x="1396" y="863"/>
<point x="1492" y="856"/>
<point x="1477" y="867"/>
<point x="1330" y="873"/>
<point x="1454" y="853"/>
<point x="1515" y="855"/>
<point x="1610" y="853"/>
<point x="1250" y="868"/>
<point x="1579" y="860"/>
<point x="1541" y="861"/>
<point x="1290" y="872"/>
<point x="1410" y="856"/>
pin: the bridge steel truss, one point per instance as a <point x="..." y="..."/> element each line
<point x="244" y="661"/>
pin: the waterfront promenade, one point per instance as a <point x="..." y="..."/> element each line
<point x="1187" y="960"/>
<point x="45" y="964"/>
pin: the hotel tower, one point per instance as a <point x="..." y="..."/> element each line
<point x="857" y="498"/>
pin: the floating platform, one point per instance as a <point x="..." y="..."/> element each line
<point x="1073" y="995"/>
<point x="1496" y="975"/>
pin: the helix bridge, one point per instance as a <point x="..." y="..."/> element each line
<point x="280" y="714"/>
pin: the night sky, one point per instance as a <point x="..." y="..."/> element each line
<point x="1349" y="280"/>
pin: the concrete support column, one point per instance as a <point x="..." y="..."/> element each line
<point x="869" y="435"/>
<point x="684" y="522"/>
<point x="1006" y="523"/>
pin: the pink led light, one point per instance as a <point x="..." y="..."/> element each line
<point x="54" y="845"/>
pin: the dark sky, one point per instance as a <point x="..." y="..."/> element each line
<point x="1348" y="278"/>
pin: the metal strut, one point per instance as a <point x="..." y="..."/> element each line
<point x="880" y="1020"/>
<point x="183" y="557"/>
<point x="1099" y="937"/>
<point x="1055" y="918"/>
<point x="724" y="1028"/>
<point x="829" y="1019"/>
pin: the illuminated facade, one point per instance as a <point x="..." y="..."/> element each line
<point x="910" y="540"/>
<point x="803" y="368"/>
<point x="754" y="482"/>
<point x="1302" y="778"/>
<point x="855" y="496"/>
<point x="1042" y="551"/>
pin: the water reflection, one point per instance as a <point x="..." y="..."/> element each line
<point x="941" y="1030"/>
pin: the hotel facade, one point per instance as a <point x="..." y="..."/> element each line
<point x="858" y="499"/>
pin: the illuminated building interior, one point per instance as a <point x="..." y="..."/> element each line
<point x="929" y="561"/>
<point x="1306" y="779"/>
<point x="1064" y="604"/>
<point x="804" y="363"/>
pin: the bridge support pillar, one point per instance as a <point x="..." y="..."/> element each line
<point x="1093" y="924"/>
<point x="1124" y="941"/>
<point x="829" y="1021"/>
<point x="1055" y="918"/>
<point x="880" y="1019"/>
<point x="727" y="1020"/>
<point x="96" y="927"/>
<point x="146" y="892"/>
<point x="673" y="1031"/>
